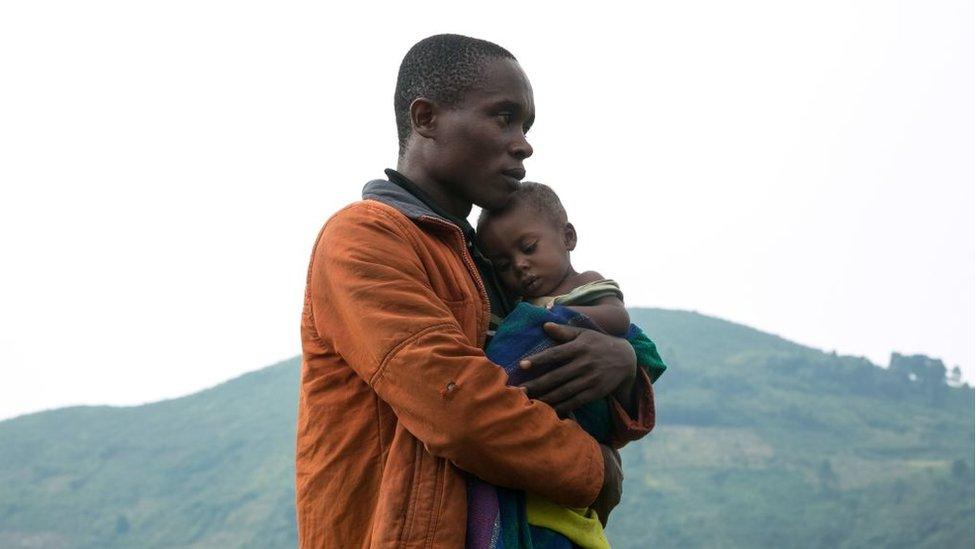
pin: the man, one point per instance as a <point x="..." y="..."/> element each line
<point x="398" y="402"/>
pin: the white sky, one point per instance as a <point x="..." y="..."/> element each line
<point x="804" y="168"/>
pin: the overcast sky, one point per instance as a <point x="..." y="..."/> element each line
<point x="803" y="168"/>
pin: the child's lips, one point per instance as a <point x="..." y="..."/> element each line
<point x="531" y="283"/>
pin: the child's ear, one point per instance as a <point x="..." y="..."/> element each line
<point x="423" y="116"/>
<point x="569" y="237"/>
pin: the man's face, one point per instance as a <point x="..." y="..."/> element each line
<point x="480" y="142"/>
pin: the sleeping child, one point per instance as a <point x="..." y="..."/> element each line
<point x="529" y="243"/>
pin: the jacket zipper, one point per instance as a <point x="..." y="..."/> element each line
<point x="473" y="270"/>
<point x="482" y="335"/>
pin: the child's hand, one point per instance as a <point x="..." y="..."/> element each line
<point x="591" y="364"/>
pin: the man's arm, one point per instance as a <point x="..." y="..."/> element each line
<point x="372" y="302"/>
<point x="613" y="479"/>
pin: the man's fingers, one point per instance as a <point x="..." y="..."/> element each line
<point x="550" y="380"/>
<point x="575" y="401"/>
<point x="561" y="332"/>
<point x="558" y="354"/>
<point x="564" y="391"/>
<point x="553" y="355"/>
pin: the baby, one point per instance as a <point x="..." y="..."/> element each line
<point x="529" y="242"/>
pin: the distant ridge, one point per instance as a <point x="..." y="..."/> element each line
<point x="760" y="442"/>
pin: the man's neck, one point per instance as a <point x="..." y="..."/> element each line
<point x="440" y="193"/>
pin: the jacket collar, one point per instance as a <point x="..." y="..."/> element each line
<point x="416" y="209"/>
<point x="393" y="195"/>
<point x="404" y="195"/>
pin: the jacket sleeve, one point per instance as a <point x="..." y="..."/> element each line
<point x="627" y="428"/>
<point x="370" y="293"/>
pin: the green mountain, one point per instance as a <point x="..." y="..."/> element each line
<point x="760" y="443"/>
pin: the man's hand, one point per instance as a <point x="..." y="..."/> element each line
<point x="613" y="485"/>
<point x="591" y="365"/>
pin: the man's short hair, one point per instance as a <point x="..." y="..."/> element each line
<point x="541" y="198"/>
<point x="440" y="68"/>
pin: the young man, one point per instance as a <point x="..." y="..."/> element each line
<point x="398" y="402"/>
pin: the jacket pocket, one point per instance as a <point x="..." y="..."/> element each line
<point x="424" y="503"/>
<point x="415" y="476"/>
<point x="438" y="501"/>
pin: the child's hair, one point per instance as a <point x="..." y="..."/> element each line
<point x="537" y="196"/>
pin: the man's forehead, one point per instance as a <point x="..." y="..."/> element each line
<point x="503" y="80"/>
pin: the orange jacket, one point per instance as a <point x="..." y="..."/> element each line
<point x="397" y="397"/>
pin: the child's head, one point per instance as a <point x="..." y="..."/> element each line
<point x="528" y="241"/>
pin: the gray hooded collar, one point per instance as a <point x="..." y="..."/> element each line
<point x="393" y="195"/>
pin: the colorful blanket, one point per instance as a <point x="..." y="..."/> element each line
<point x="496" y="516"/>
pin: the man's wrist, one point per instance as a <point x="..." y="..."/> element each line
<point x="624" y="393"/>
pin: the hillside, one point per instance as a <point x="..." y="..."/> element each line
<point x="760" y="442"/>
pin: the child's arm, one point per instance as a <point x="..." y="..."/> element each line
<point x="607" y="312"/>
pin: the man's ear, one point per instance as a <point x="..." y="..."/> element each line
<point x="569" y="237"/>
<point x="423" y="116"/>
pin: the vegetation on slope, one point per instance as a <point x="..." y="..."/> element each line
<point x="760" y="442"/>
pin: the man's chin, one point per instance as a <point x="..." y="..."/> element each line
<point x="495" y="202"/>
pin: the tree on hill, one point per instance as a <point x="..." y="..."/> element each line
<point x="928" y="373"/>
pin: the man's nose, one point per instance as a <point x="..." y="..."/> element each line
<point x="521" y="148"/>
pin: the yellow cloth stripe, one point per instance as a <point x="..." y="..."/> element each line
<point x="580" y="526"/>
